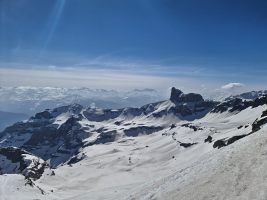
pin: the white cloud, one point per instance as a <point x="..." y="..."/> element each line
<point x="70" y="77"/>
<point x="94" y="79"/>
<point x="231" y="86"/>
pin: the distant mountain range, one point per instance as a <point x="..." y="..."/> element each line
<point x="30" y="100"/>
<point x="249" y="95"/>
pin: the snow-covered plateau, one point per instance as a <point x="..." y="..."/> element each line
<point x="184" y="148"/>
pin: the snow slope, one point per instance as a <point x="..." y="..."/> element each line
<point x="154" y="152"/>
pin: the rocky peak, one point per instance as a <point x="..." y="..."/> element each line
<point x="177" y="96"/>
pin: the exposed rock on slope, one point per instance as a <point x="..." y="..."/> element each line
<point x="177" y="96"/>
<point x="18" y="161"/>
<point x="52" y="135"/>
<point x="256" y="126"/>
<point x="237" y="104"/>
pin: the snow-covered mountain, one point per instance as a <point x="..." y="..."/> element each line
<point x="182" y="148"/>
<point x="57" y="135"/>
<point x="249" y="95"/>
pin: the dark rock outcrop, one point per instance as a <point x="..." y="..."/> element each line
<point x="219" y="144"/>
<point x="98" y="115"/>
<point x="75" y="159"/>
<point x="186" y="145"/>
<point x="235" y="138"/>
<point x="256" y="126"/>
<point x="21" y="162"/>
<point x="177" y="96"/>
<point x="264" y="113"/>
<point x="208" y="139"/>
<point x="225" y="142"/>
<point x="105" y="137"/>
<point x="191" y="97"/>
<point x="195" y="128"/>
<point x="135" y="131"/>
<point x="172" y="126"/>
<point x="237" y="104"/>
<point x="43" y="115"/>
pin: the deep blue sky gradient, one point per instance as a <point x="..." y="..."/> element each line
<point x="206" y="36"/>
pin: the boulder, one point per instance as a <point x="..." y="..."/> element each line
<point x="208" y="139"/>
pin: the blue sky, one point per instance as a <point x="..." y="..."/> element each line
<point x="207" y="41"/>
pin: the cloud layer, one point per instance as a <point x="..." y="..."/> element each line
<point x="95" y="79"/>
<point x="119" y="80"/>
<point x="231" y="86"/>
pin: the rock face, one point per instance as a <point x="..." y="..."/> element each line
<point x="177" y="96"/>
<point x="188" y="104"/>
<point x="191" y="97"/>
<point x="256" y="126"/>
<point x="46" y="137"/>
<point x="17" y="161"/>
<point x="237" y="104"/>
<point x="258" y="123"/>
<point x="135" y="131"/>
